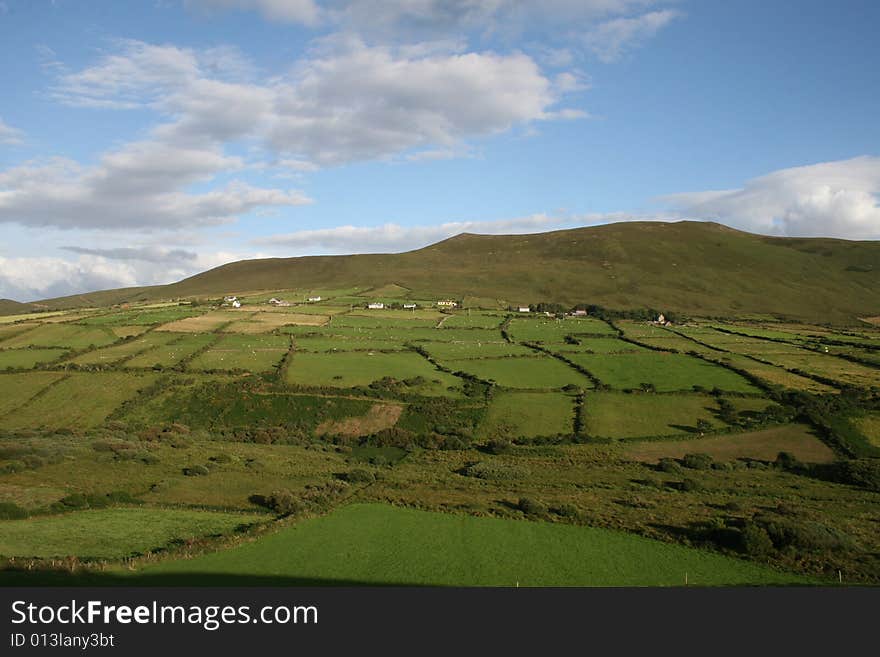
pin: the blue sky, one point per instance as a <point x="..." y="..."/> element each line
<point x="141" y="142"/>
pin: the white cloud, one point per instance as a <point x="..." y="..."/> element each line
<point x="830" y="199"/>
<point x="137" y="187"/>
<point x="346" y="102"/>
<point x="611" y="39"/>
<point x="9" y="135"/>
<point x="34" y="278"/>
<point x="305" y="12"/>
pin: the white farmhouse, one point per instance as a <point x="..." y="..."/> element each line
<point x="376" y="305"/>
<point x="409" y="306"/>
<point x="236" y="303"/>
<point x="523" y="309"/>
<point x="447" y="303"/>
<point x="314" y="298"/>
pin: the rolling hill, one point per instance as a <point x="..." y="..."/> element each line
<point x="698" y="268"/>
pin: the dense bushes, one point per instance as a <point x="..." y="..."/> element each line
<point x="492" y="471"/>
<point x="196" y="471"/>
<point x="10" y="511"/>
<point x="314" y="498"/>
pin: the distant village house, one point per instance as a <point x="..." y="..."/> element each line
<point x="447" y="303"/>
<point x="409" y="306"/>
<point x="376" y="305"/>
<point x="314" y="298"/>
<point x="278" y="302"/>
<point x="523" y="309"/>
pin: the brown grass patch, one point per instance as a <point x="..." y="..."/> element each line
<point x="265" y="322"/>
<point x="380" y="416"/>
<point x="764" y="445"/>
<point x="202" y="324"/>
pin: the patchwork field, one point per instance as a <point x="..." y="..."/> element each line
<point x="287" y="414"/>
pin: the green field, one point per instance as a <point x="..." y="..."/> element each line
<point x="474" y="349"/>
<point x="19" y="388"/>
<point x="170" y="354"/>
<point x="533" y="372"/>
<point x="61" y="335"/>
<point x="473" y="320"/>
<point x="345" y="370"/>
<point x="317" y="343"/>
<point x="549" y="330"/>
<point x="667" y="372"/>
<point x="127" y="349"/>
<point x="28" y="358"/>
<point x="598" y="346"/>
<point x="377" y="544"/>
<point x="111" y="533"/>
<point x="527" y="414"/>
<point x="620" y="415"/>
<point x="255" y="353"/>
<point x="79" y="401"/>
<point x="142" y="316"/>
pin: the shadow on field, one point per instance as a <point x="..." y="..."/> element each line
<point x="57" y="578"/>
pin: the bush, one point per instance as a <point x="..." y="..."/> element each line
<point x="669" y="465"/>
<point x="690" y="485"/>
<point x="359" y="476"/>
<point x="754" y="540"/>
<point x="195" y="470"/>
<point x="10" y="511"/>
<point x="805" y="535"/>
<point x="284" y="502"/>
<point x="498" y="446"/>
<point x="491" y="471"/>
<point x="531" y="507"/>
<point x="697" y="461"/>
<point x="569" y="511"/>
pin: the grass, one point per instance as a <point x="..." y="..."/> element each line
<point x="28" y="358"/>
<point x="618" y="415"/>
<point x="79" y="401"/>
<point x="116" y="353"/>
<point x="61" y="335"/>
<point x="169" y="355"/>
<point x="473" y="320"/>
<point x="142" y="316"/>
<point x="869" y="426"/>
<point x="549" y="330"/>
<point x="535" y="372"/>
<point x="474" y="349"/>
<point x="764" y="445"/>
<point x="19" y="388"/>
<point x="666" y="371"/>
<point x="349" y="369"/>
<point x="599" y="346"/>
<point x="318" y="343"/>
<point x="111" y="533"/>
<point x="255" y="353"/>
<point x="210" y="321"/>
<point x="527" y="414"/>
<point x="378" y="544"/>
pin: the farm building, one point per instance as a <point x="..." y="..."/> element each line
<point x="579" y="313"/>
<point x="447" y="303"/>
<point x="278" y="302"/>
<point x="376" y="306"/>
<point x="314" y="298"/>
<point x="409" y="306"/>
<point x="236" y="304"/>
<point x="523" y="309"/>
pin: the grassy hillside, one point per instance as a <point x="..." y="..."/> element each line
<point x="10" y="307"/>
<point x="691" y="267"/>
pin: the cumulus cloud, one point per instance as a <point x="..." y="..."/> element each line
<point x="34" y="278"/>
<point x="305" y="12"/>
<point x="830" y="199"/>
<point x="345" y="102"/>
<point x="137" y="187"/>
<point x="8" y="134"/>
<point x="611" y="39"/>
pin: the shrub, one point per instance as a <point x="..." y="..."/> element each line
<point x="697" y="461"/>
<point x="195" y="470"/>
<point x="569" y="511"/>
<point x="496" y="446"/>
<point x="491" y="471"/>
<point x="690" y="485"/>
<point x="359" y="476"/>
<point x="284" y="502"/>
<point x="754" y="540"/>
<point x="11" y="511"/>
<point x="667" y="464"/>
<point x="531" y="507"/>
<point x="805" y="535"/>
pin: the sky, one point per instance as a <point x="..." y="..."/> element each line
<point x="145" y="141"/>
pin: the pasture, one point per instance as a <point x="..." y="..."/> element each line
<point x="474" y="349"/>
<point x="26" y="359"/>
<point x="78" y="401"/>
<point x="254" y="353"/>
<point x="621" y="415"/>
<point x="170" y="354"/>
<point x="379" y="545"/>
<point x="350" y="369"/>
<point x="112" y="533"/>
<point x="69" y="336"/>
<point x="550" y="330"/>
<point x="666" y="372"/>
<point x="532" y="372"/>
<point x="19" y="388"/>
<point x="527" y="414"/>
<point x="207" y="322"/>
<point x="125" y="350"/>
